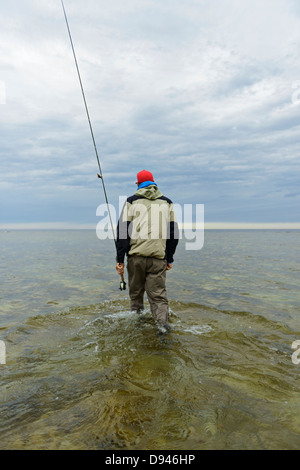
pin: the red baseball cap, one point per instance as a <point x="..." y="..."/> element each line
<point x="144" y="175"/>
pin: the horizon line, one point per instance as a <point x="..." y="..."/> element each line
<point x="189" y="226"/>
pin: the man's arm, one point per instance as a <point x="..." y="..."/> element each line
<point x="120" y="268"/>
<point x="173" y="238"/>
<point x="123" y="239"/>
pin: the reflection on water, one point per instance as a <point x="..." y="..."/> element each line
<point x="93" y="375"/>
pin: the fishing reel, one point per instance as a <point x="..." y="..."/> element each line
<point x="122" y="285"/>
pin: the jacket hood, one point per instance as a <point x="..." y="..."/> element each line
<point x="150" y="192"/>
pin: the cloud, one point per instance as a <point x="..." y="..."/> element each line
<point x="198" y="92"/>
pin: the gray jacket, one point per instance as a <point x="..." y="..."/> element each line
<point x="147" y="226"/>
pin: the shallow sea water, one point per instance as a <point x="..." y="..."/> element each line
<point x="83" y="372"/>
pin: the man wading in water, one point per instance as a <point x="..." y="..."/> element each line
<point x="148" y="234"/>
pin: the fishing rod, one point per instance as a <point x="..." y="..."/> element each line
<point x="100" y="174"/>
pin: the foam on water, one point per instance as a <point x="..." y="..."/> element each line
<point x="198" y="329"/>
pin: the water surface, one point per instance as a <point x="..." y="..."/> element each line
<point x="83" y="372"/>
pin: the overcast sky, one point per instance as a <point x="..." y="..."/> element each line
<point x="203" y="93"/>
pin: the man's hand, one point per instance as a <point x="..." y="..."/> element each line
<point x="120" y="268"/>
<point x="169" y="266"/>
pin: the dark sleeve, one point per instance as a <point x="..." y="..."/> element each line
<point x="123" y="239"/>
<point x="172" y="242"/>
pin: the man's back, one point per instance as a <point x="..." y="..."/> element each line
<point x="147" y="225"/>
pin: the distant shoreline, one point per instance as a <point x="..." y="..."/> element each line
<point x="207" y="226"/>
